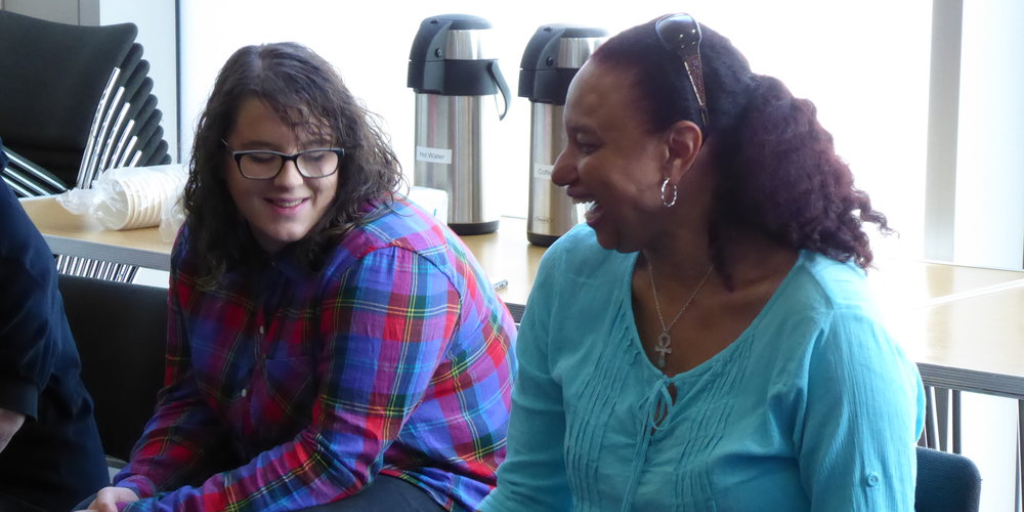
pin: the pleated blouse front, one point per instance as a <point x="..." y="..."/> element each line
<point x="813" y="407"/>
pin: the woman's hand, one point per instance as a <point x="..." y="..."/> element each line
<point x="10" y="423"/>
<point x="108" y="498"/>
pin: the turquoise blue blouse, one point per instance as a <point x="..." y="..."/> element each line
<point x="813" y="408"/>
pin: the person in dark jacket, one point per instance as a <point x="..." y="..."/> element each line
<point x="50" y="451"/>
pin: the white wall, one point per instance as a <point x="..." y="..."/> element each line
<point x="864" y="64"/>
<point x="61" y="11"/>
<point x="989" y="226"/>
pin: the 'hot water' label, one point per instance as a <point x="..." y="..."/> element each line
<point x="433" y="155"/>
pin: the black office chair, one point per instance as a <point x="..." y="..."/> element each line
<point x="946" y="482"/>
<point x="120" y="330"/>
<point x="53" y="75"/>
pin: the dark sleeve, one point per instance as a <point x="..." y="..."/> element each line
<point x="32" y="321"/>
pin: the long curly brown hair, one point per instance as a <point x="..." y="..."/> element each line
<point x="307" y="93"/>
<point x="777" y="170"/>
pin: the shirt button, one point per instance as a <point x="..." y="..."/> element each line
<point x="873" y="479"/>
<point x="244" y="392"/>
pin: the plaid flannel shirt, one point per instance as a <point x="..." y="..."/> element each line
<point x="294" y="388"/>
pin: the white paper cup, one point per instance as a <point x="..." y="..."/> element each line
<point x="135" y="200"/>
<point x="146" y="194"/>
<point x="112" y="212"/>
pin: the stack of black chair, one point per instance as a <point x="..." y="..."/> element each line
<point x="74" y="102"/>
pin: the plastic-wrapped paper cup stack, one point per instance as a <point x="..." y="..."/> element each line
<point x="135" y="198"/>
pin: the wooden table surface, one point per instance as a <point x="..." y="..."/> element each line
<point x="80" y="235"/>
<point x="975" y="343"/>
<point x="505" y="254"/>
<point x="964" y="326"/>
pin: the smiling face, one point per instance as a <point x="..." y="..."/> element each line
<point x="611" y="159"/>
<point x="284" y="209"/>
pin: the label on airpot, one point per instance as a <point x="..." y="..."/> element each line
<point x="433" y="155"/>
<point x="542" y="171"/>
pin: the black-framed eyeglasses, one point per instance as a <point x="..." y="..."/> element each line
<point x="680" y="34"/>
<point x="264" y="164"/>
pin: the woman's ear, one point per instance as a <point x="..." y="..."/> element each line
<point x="684" y="142"/>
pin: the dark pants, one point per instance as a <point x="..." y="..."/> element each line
<point x="385" y="494"/>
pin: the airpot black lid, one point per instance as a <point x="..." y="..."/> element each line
<point x="540" y="78"/>
<point x="431" y="72"/>
<point x="430" y="41"/>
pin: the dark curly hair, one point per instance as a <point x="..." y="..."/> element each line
<point x="777" y="170"/>
<point x="308" y="94"/>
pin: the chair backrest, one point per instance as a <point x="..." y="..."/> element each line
<point x="120" y="330"/>
<point x="125" y="130"/>
<point x="516" y="310"/>
<point x="53" y="75"/>
<point x="946" y="482"/>
<point x="27" y="179"/>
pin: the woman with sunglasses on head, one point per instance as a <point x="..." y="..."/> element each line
<point x="707" y="341"/>
<point x="330" y="344"/>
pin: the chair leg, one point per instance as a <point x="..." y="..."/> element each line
<point x="79" y="266"/>
<point x="931" y="439"/>
<point x="942" y="417"/>
<point x="957" y="446"/>
<point x="1020" y="457"/>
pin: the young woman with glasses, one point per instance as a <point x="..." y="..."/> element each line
<point x="707" y="340"/>
<point x="330" y="344"/>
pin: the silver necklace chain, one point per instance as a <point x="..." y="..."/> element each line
<point x="664" y="344"/>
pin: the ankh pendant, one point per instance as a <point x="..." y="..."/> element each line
<point x="663" y="347"/>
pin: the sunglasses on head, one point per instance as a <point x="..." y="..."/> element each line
<point x="680" y="34"/>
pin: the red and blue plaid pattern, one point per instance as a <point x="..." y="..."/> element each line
<point x="295" y="388"/>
